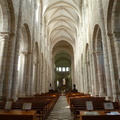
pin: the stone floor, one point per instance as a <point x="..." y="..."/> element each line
<point x="61" y="110"/>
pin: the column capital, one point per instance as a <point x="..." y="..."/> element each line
<point x="34" y="63"/>
<point x="4" y="35"/>
<point x="110" y="35"/>
<point x="12" y="34"/>
<point x="24" y="52"/>
<point x="29" y="52"/>
<point x="93" y="52"/>
<point x="98" y="53"/>
<point x="116" y="34"/>
<point x="87" y="62"/>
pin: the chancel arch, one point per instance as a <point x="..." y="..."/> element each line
<point x="63" y="61"/>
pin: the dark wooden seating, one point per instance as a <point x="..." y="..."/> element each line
<point x="102" y="115"/>
<point x="78" y="103"/>
<point x="17" y="115"/>
<point x="42" y="104"/>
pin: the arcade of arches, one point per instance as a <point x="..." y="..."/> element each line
<point x="59" y="43"/>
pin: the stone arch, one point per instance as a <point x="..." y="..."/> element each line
<point x="62" y="38"/>
<point x="112" y="49"/>
<point x="24" y="61"/>
<point x="114" y="35"/>
<point x="7" y="30"/>
<point x="4" y="18"/>
<point x="7" y="17"/>
<point x="62" y="54"/>
<point x="1" y="19"/>
<point x="98" y="61"/>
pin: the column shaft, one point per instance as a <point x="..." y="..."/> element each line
<point x="4" y="36"/>
<point x="100" y="74"/>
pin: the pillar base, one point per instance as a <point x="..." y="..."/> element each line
<point x="115" y="99"/>
<point x="21" y="95"/>
<point x="101" y="94"/>
<point x="108" y="98"/>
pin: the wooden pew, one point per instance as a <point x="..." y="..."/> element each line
<point x="78" y="103"/>
<point x="17" y="115"/>
<point x="43" y="104"/>
<point x="102" y="115"/>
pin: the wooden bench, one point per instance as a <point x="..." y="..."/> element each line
<point x="17" y="115"/>
<point x="43" y="104"/>
<point x="102" y="116"/>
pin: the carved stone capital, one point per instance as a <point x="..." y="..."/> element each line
<point x="29" y="52"/>
<point x="24" y="52"/>
<point x="116" y="34"/>
<point x="34" y="63"/>
<point x="98" y="53"/>
<point x="4" y="35"/>
<point x="12" y="34"/>
<point x="110" y="35"/>
<point x="93" y="52"/>
<point x="87" y="63"/>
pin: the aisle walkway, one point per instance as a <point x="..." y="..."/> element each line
<point x="61" y="110"/>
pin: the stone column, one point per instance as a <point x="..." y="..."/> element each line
<point x="95" y="83"/>
<point x="113" y="82"/>
<point x="100" y="74"/>
<point x="43" y="80"/>
<point x="92" y="76"/>
<point x="116" y="36"/>
<point x="4" y="38"/>
<point x="86" y="83"/>
<point x="28" y="79"/>
<point x="37" y="79"/>
<point x="10" y="62"/>
<point x="89" y="77"/>
<point x="40" y="77"/>
<point x="41" y="73"/>
<point x="84" y="78"/>
<point x="17" y="43"/>
<point x="34" y="79"/>
<point x="82" y="81"/>
<point x="23" y="77"/>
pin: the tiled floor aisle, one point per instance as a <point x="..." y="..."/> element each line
<point x="61" y="110"/>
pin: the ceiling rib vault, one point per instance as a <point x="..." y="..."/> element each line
<point x="61" y="19"/>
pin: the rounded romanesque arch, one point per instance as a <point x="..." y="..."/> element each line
<point x="7" y="34"/>
<point x="1" y="19"/>
<point x="24" y="61"/>
<point x="4" y="18"/>
<point x="115" y="25"/>
<point x="62" y="62"/>
<point x="112" y="50"/>
<point x="98" y="60"/>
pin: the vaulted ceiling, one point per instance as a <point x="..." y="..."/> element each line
<point x="61" y="19"/>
